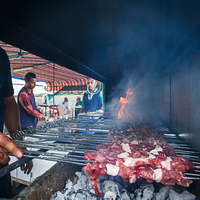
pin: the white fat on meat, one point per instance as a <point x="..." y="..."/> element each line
<point x="124" y="155"/>
<point x="157" y="175"/>
<point x="117" y="163"/>
<point x="152" y="156"/>
<point x="166" y="164"/>
<point x="156" y="150"/>
<point x="135" y="142"/>
<point x="126" y="147"/>
<point x="130" y="162"/>
<point x="155" y="142"/>
<point x="112" y="169"/>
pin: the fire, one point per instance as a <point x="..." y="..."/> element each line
<point x="123" y="102"/>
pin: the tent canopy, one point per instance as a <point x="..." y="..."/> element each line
<point x="23" y="62"/>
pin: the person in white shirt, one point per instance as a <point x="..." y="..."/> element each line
<point x="65" y="104"/>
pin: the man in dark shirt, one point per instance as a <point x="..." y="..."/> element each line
<point x="9" y="114"/>
<point x="26" y="103"/>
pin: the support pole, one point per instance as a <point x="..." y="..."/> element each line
<point x="53" y="85"/>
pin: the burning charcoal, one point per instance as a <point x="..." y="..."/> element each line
<point x="116" y="180"/>
<point x="80" y="196"/>
<point x="120" y="186"/>
<point x="138" y="194"/>
<point x="92" y="191"/>
<point x="77" y="187"/>
<point x="110" y="195"/>
<point x="85" y="182"/>
<point x="151" y="186"/>
<point x="93" y="197"/>
<point x="68" y="188"/>
<point x="164" y="192"/>
<point x="105" y="177"/>
<point x="188" y="196"/>
<point x="58" y="196"/>
<point x="85" y="179"/>
<point x="108" y="185"/>
<point x="68" y="184"/>
<point x="146" y="192"/>
<point x="132" y="196"/>
<point x="75" y="179"/>
<point x="124" y="195"/>
<point x="179" y="189"/>
<point x="83" y="195"/>
<point x="78" y="174"/>
<point x="71" y="197"/>
<point x="174" y="195"/>
<point x="183" y="196"/>
<point x="67" y="192"/>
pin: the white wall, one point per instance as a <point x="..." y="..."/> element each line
<point x="19" y="83"/>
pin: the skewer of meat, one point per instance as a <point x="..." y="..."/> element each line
<point x="134" y="160"/>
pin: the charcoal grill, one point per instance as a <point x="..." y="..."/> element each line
<point x="67" y="140"/>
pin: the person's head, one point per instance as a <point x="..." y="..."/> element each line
<point x="65" y="99"/>
<point x="78" y="99"/>
<point x="91" y="84"/>
<point x="30" y="80"/>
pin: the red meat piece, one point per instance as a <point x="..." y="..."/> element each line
<point x="169" y="151"/>
<point x="117" y="147"/>
<point x="90" y="155"/>
<point x="137" y="154"/>
<point x="93" y="172"/>
<point x="188" y="164"/>
<point x="120" y="160"/>
<point x="146" y="173"/>
<point x="104" y="152"/>
<point x="103" y="146"/>
<point x="96" y="189"/>
<point x="127" y="173"/>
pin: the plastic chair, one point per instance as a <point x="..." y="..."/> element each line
<point x="61" y="110"/>
<point x="64" y="112"/>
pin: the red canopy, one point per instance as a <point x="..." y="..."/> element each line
<point x="65" y="80"/>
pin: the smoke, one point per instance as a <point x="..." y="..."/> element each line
<point x="141" y="45"/>
<point x="139" y="107"/>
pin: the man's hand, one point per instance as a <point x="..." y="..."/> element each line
<point x="44" y="117"/>
<point x="8" y="146"/>
<point x="27" y="167"/>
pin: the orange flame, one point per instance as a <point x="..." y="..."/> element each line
<point x="123" y="102"/>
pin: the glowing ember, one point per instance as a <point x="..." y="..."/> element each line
<point x="123" y="102"/>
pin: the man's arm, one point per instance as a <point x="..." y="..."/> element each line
<point x="12" y="123"/>
<point x="25" y="101"/>
<point x="82" y="109"/>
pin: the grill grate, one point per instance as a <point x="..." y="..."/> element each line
<point x="64" y="141"/>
